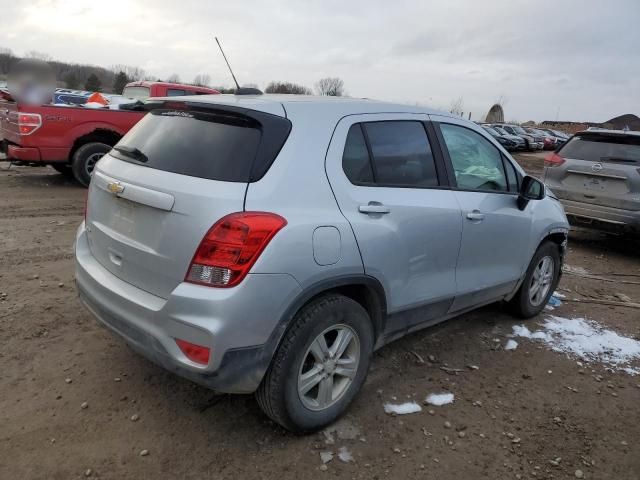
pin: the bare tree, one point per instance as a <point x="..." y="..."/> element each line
<point x="287" y="87"/>
<point x="331" y="86"/>
<point x="173" y="78"/>
<point x="6" y="51"/>
<point x="457" y="106"/>
<point x="134" y="74"/>
<point x="39" y="55"/>
<point x="502" y="100"/>
<point x="202" y="80"/>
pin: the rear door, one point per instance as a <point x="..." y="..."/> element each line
<point x="601" y="168"/>
<point x="152" y="199"/>
<point x="390" y="185"/>
<point x="495" y="233"/>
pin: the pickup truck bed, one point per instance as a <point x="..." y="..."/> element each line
<point x="53" y="135"/>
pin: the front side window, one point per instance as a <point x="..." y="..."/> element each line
<point x="477" y="164"/>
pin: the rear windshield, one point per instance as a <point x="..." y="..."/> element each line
<point x="204" y="145"/>
<point x="603" y="148"/>
<point x="138" y="93"/>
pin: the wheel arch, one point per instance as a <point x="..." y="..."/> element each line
<point x="363" y="289"/>
<point x="101" y="135"/>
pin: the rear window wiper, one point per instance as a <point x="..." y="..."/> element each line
<point x="131" y="152"/>
<point x="619" y="159"/>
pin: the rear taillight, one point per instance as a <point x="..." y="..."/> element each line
<point x="231" y="247"/>
<point x="29" y="123"/>
<point x="195" y="353"/>
<point x="553" y="160"/>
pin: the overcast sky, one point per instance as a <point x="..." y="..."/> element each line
<point x="572" y="60"/>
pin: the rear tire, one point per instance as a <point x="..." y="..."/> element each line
<point x="285" y="395"/>
<point x="85" y="159"/>
<point x="539" y="282"/>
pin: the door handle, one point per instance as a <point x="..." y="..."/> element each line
<point x="476" y="216"/>
<point x="373" y="207"/>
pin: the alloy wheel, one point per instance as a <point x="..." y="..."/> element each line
<point x="329" y="367"/>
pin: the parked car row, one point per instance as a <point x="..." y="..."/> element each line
<point x="514" y="137"/>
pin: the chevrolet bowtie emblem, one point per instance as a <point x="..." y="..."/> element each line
<point x="115" y="187"/>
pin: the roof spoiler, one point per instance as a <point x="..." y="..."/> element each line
<point x="248" y="91"/>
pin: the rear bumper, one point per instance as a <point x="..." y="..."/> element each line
<point x="26" y="154"/>
<point x="600" y="216"/>
<point x="235" y="323"/>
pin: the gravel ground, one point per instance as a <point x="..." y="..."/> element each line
<point x="77" y="403"/>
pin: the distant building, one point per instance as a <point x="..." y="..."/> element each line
<point x="495" y="115"/>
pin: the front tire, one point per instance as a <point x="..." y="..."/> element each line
<point x="320" y="365"/>
<point x="539" y="282"/>
<point x="85" y="159"/>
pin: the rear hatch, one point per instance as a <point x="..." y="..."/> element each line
<point x="601" y="168"/>
<point x="178" y="171"/>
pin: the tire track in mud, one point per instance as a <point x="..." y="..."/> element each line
<point x="41" y="254"/>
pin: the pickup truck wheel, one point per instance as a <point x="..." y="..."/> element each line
<point x="539" y="282"/>
<point x="85" y="159"/>
<point x="320" y="365"/>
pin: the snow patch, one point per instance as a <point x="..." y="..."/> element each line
<point x="511" y="345"/>
<point x="439" y="399"/>
<point x="587" y="340"/>
<point x="403" y="408"/>
<point x="345" y="455"/>
<point x="559" y="295"/>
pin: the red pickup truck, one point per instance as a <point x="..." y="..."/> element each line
<point x="73" y="138"/>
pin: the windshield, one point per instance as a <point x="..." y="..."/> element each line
<point x="491" y="131"/>
<point x="500" y="131"/>
<point x="139" y="93"/>
<point x="603" y="148"/>
<point x="519" y="130"/>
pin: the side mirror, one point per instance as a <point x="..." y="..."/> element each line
<point x="531" y="189"/>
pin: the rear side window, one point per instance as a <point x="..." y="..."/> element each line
<point x="390" y="153"/>
<point x="175" y="92"/>
<point x="216" y="147"/>
<point x="355" y="160"/>
<point x="595" y="147"/>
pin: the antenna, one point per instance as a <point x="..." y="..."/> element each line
<point x="239" y="90"/>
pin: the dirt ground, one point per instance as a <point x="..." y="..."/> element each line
<point x="517" y="412"/>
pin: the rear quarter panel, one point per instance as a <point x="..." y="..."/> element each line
<point x="296" y="187"/>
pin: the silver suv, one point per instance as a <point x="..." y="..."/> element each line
<point x="596" y="175"/>
<point x="270" y="244"/>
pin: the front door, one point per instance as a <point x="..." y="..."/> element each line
<point x="495" y="232"/>
<point x="392" y="188"/>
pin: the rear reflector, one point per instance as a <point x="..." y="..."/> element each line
<point x="29" y="123"/>
<point x="553" y="160"/>
<point x="231" y="247"/>
<point x="195" y="353"/>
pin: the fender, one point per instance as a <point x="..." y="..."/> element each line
<point x="242" y="369"/>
